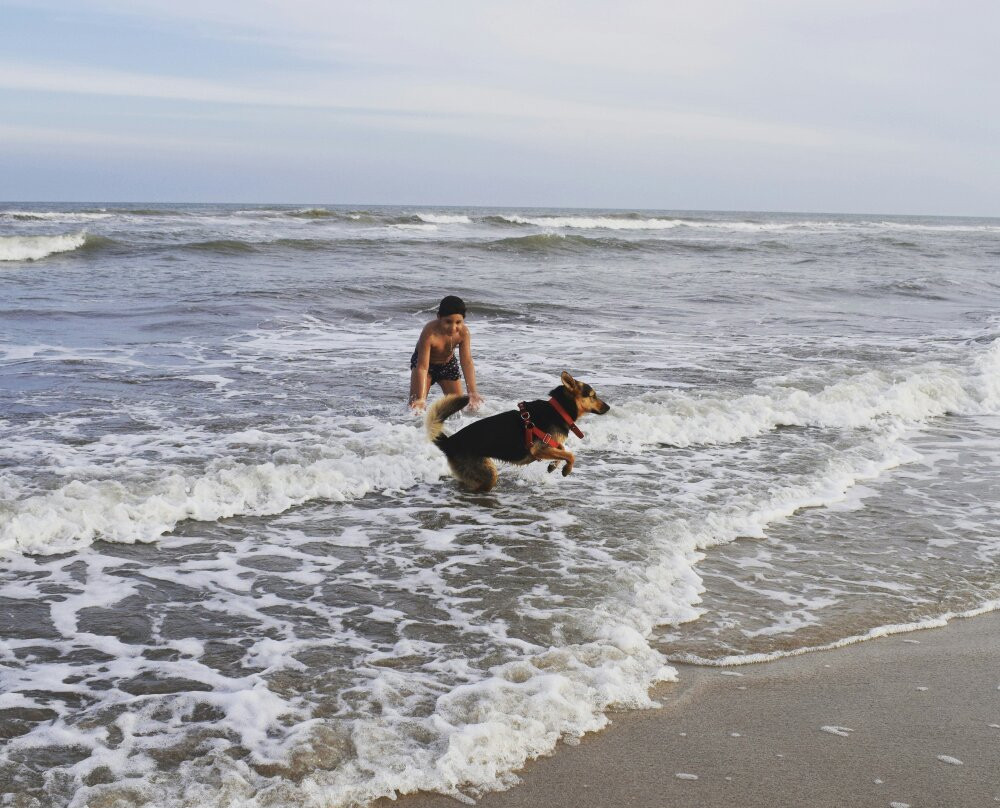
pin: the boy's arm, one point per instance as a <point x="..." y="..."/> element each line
<point x="469" y="371"/>
<point x="418" y="376"/>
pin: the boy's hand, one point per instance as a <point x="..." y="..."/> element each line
<point x="418" y="404"/>
<point x="475" y="401"/>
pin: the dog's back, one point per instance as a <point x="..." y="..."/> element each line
<point x="500" y="436"/>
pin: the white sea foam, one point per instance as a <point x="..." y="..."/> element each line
<point x="750" y="515"/>
<point x="596" y="222"/>
<point x="34" y="248"/>
<point x="636" y="222"/>
<point x="875" y="633"/>
<point x="912" y="396"/>
<point x="55" y="215"/>
<point x="444" y="218"/>
<point x="937" y="228"/>
<point x="658" y="223"/>
<point x="843" y="732"/>
<point x="144" y="508"/>
<point x="478" y="733"/>
<point x="122" y="511"/>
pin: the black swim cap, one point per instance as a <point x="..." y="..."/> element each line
<point x="451" y="305"/>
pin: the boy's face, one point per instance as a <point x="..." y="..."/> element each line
<point x="451" y="323"/>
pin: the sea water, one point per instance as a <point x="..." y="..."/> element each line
<point x="233" y="572"/>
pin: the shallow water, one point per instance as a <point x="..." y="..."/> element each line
<point x="233" y="568"/>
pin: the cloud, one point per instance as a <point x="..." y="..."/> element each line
<point x="893" y="88"/>
<point x="449" y="106"/>
<point x="96" y="81"/>
<point x="46" y="138"/>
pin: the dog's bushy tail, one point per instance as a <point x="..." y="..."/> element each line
<point x="438" y="413"/>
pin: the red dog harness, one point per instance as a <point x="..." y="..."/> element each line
<point x="531" y="431"/>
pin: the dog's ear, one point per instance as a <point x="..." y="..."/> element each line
<point x="569" y="382"/>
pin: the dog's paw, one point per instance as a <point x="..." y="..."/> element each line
<point x="552" y="467"/>
<point x="567" y="469"/>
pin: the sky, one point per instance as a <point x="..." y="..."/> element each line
<point x="856" y="106"/>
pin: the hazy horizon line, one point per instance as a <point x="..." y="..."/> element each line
<point x="464" y="206"/>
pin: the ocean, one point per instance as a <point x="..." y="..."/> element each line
<point x="233" y="571"/>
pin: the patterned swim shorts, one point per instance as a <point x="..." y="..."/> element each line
<point x="449" y="370"/>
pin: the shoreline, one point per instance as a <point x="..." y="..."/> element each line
<point x="906" y="719"/>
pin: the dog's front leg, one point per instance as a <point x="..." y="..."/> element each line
<point x="554" y="453"/>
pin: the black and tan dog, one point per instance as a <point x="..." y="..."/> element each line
<point x="536" y="431"/>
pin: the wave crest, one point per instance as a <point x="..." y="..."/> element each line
<point x="444" y="218"/>
<point x="80" y="512"/>
<point x="865" y="401"/>
<point x="35" y="248"/>
<point x="54" y="215"/>
<point x="611" y="222"/>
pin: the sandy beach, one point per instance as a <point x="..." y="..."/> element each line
<point x="906" y="720"/>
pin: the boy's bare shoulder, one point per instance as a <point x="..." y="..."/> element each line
<point x="428" y="331"/>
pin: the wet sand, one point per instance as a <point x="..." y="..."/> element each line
<point x="912" y="719"/>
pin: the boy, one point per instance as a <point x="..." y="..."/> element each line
<point x="434" y="358"/>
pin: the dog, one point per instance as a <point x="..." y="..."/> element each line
<point x="534" y="432"/>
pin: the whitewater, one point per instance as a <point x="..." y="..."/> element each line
<point x="233" y="572"/>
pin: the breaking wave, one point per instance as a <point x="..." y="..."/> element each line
<point x="861" y="402"/>
<point x="54" y="215"/>
<point x="129" y="511"/>
<point x="35" y="248"/>
<point x="396" y="457"/>
<point x="444" y="218"/>
<point x="637" y="221"/>
<point x="595" y="222"/>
